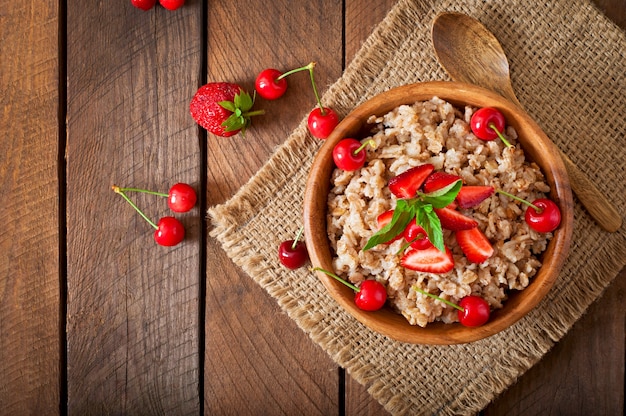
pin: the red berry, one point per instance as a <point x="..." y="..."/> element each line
<point x="406" y="184"/>
<point x="208" y="108"/>
<point x="453" y="220"/>
<point x="322" y="124"/>
<point x="488" y="123"/>
<point x="482" y="120"/>
<point x="438" y="180"/>
<point x="268" y="86"/>
<point x="169" y="232"/>
<point x="471" y="196"/>
<point x="143" y="4"/>
<point x="416" y="235"/>
<point x="547" y="219"/>
<point x="429" y="260"/>
<point x="181" y="197"/>
<point x="475" y="311"/>
<point x="349" y="154"/>
<point x="172" y="4"/>
<point x="474" y="244"/>
<point x="293" y="255"/>
<point x="371" y="296"/>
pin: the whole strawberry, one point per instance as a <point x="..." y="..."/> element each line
<point x="222" y="108"/>
<point x="172" y="4"/>
<point x="143" y="4"/>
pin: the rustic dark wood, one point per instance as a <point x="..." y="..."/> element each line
<point x="142" y="337"/>
<point x="29" y="243"/>
<point x="133" y="312"/>
<point x="257" y="361"/>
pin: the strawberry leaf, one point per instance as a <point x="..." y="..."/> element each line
<point x="243" y="101"/>
<point x="234" y="122"/>
<point x="441" y="198"/>
<point x="402" y="215"/>
<point x="228" y="105"/>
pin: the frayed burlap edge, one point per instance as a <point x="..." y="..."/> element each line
<point x="583" y="279"/>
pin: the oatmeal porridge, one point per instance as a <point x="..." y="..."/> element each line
<point x="435" y="132"/>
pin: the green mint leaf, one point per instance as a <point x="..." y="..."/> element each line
<point x="427" y="218"/>
<point x="444" y="196"/>
<point x="228" y="105"/>
<point x="402" y="215"/>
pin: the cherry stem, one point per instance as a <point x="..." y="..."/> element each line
<point x="298" y="235"/>
<point x="517" y="198"/>
<point x="317" y="96"/>
<point x="447" y="302"/>
<point x="369" y="142"/>
<point x="504" y="140"/>
<point x="120" y="191"/>
<point x="293" y="71"/>
<point x="144" y="191"/>
<point x="334" y="276"/>
<point x="407" y="245"/>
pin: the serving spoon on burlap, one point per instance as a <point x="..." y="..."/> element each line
<point x="470" y="53"/>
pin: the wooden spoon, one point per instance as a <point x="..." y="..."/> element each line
<point x="470" y="53"/>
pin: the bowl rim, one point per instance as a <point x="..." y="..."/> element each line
<point x="534" y="142"/>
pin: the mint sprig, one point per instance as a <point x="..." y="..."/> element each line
<point x="422" y="210"/>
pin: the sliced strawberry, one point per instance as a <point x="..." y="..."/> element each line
<point x="471" y="196"/>
<point x="474" y="244"/>
<point x="383" y="219"/>
<point x="439" y="180"/>
<point x="453" y="220"/>
<point x="430" y="260"/>
<point x="406" y="184"/>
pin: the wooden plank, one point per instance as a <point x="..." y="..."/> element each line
<point x="257" y="361"/>
<point x="132" y="313"/>
<point x="29" y="242"/>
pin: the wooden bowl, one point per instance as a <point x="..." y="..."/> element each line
<point x="537" y="147"/>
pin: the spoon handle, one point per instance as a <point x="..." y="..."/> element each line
<point x="597" y="205"/>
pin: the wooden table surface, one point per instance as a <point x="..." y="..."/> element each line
<point x="97" y="319"/>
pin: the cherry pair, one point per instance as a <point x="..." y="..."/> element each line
<point x="271" y="84"/>
<point x="148" y="4"/>
<point x="169" y="231"/>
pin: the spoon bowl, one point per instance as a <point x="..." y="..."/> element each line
<point x="470" y="53"/>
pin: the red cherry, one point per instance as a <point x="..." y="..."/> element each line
<point x="143" y="4"/>
<point x="475" y="311"/>
<point x="546" y="218"/>
<point x="488" y="123"/>
<point x="350" y="154"/>
<point x="172" y="4"/>
<point x="169" y="232"/>
<point x="472" y="310"/>
<point x="416" y="236"/>
<point x="371" y="296"/>
<point x="293" y="254"/>
<point x="181" y="197"/>
<point x="543" y="215"/>
<point x="321" y="124"/>
<point x="268" y="85"/>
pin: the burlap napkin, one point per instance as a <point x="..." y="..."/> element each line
<point x="567" y="63"/>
